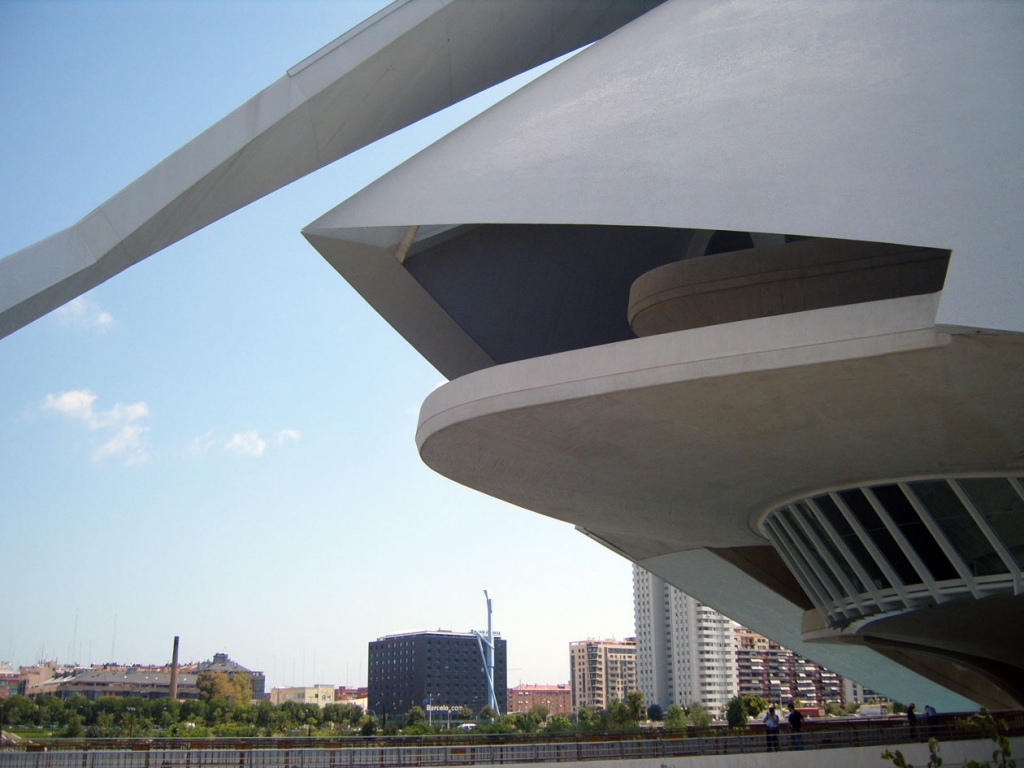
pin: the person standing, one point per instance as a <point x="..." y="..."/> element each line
<point x="912" y="720"/>
<point x="796" y="722"/>
<point x="771" y="730"/>
<point x="931" y="717"/>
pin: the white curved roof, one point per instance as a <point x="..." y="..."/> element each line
<point x="895" y="121"/>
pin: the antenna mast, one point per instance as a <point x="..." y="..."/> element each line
<point x="486" y="645"/>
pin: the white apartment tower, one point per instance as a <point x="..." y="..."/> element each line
<point x="685" y="651"/>
<point x="602" y="671"/>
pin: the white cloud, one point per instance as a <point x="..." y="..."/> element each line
<point x="249" y="443"/>
<point x="285" y="435"/>
<point x="83" y="313"/>
<point x="126" y="443"/>
<point x="201" y="445"/>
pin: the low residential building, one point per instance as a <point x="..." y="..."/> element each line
<point x="10" y="681"/>
<point x="110" y="680"/>
<point x="344" y="694"/>
<point x="321" y="695"/>
<point x="602" y="671"/>
<point x="145" y="681"/>
<point x="557" y="698"/>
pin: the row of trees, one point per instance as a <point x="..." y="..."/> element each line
<point x="224" y="709"/>
<point x="78" y="717"/>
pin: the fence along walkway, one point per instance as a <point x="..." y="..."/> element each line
<point x="360" y="754"/>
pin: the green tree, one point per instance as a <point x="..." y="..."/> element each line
<point x="349" y="714"/>
<point x="486" y="713"/>
<point x="698" y="716"/>
<point x="540" y="712"/>
<point x="559" y="724"/>
<point x="464" y="713"/>
<point x="415" y="715"/>
<point x="675" y="717"/>
<point x="735" y="712"/>
<point x="163" y="712"/>
<point x="635" y="703"/>
<point x="584" y="719"/>
<point x="49" y="710"/>
<point x="620" y="716"/>
<point x="754" y="705"/>
<point x="525" y="722"/>
<point x="104" y="726"/>
<point x="214" y="685"/>
<point x="241" y="684"/>
<point x="19" y="710"/>
<point x="368" y="725"/>
<point x="655" y="713"/>
<point x="73" y="728"/>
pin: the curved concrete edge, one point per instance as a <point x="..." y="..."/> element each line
<point x="802" y="338"/>
<point x="405" y="303"/>
<point x="408" y="61"/>
<point x="727" y="589"/>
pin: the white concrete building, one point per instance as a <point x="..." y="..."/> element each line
<point x="736" y="290"/>
<point x="320" y="695"/>
<point x="685" y="651"/>
<point x="602" y="671"/>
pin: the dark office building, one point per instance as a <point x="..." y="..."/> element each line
<point x="442" y="668"/>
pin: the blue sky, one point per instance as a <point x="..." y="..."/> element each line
<point x="218" y="443"/>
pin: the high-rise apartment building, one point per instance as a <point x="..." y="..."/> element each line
<point x="603" y="671"/>
<point x="684" y="649"/>
<point x="778" y="675"/>
<point x="432" y="669"/>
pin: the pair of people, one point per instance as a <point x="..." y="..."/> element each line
<point x="771" y="724"/>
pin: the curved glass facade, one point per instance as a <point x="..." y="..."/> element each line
<point x="874" y="549"/>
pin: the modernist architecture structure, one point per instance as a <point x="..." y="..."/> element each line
<point x="685" y="651"/>
<point x="557" y="699"/>
<point x="736" y="290"/>
<point x="428" y="669"/>
<point x="602" y="671"/>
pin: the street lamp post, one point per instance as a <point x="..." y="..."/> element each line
<point x="131" y="723"/>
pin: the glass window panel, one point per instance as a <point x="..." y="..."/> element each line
<point x="812" y="547"/>
<point x="1002" y="509"/>
<point x="803" y="566"/>
<point x="852" y="541"/>
<point x="837" y="585"/>
<point x="915" y="531"/>
<point x="956" y="522"/>
<point x="875" y="528"/>
<point x="827" y="542"/>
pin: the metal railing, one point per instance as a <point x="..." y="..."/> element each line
<point x="240" y="753"/>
